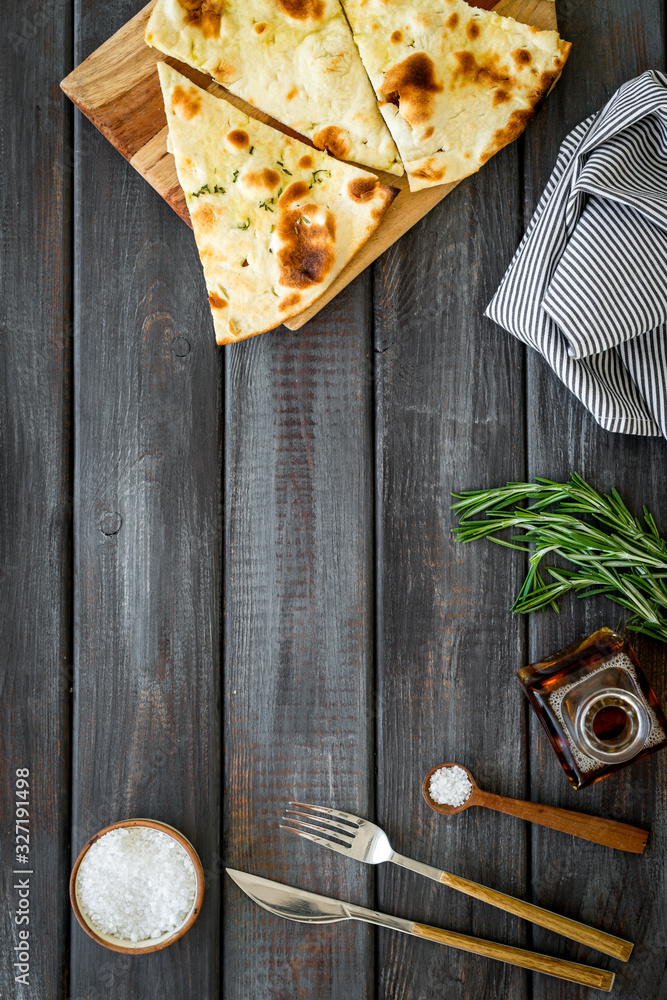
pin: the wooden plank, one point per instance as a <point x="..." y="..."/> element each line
<point x="148" y="545"/>
<point x="35" y="508"/>
<point x="117" y="87"/>
<point x="298" y="641"/>
<point x="611" y="43"/>
<point x="449" y="417"/>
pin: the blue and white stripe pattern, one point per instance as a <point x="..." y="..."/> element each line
<point x="588" y="285"/>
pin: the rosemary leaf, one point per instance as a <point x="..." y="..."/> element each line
<point x="611" y="551"/>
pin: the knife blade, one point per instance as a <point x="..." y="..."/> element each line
<point x="310" y="908"/>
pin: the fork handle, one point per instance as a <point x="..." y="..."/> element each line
<point x="608" y="944"/>
<point x="572" y="971"/>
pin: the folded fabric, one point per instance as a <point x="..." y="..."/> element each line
<point x="588" y="285"/>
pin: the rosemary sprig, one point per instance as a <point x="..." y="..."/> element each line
<point x="613" y="552"/>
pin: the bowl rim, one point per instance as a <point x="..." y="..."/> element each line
<point x="170" y="831"/>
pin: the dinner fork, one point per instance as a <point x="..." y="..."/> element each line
<point x="362" y="840"/>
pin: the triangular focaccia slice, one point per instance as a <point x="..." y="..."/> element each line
<point x="455" y="83"/>
<point x="293" y="59"/>
<point x="275" y="221"/>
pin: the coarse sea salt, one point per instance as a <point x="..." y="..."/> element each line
<point x="450" y="786"/>
<point x="136" y="884"/>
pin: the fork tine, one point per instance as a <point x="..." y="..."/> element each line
<point x="317" y="840"/>
<point x="324" y="821"/>
<point x="318" y="829"/>
<point x="338" y="813"/>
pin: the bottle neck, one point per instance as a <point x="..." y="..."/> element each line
<point x="612" y="725"/>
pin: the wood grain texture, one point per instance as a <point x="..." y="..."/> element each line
<point x="117" y="88"/>
<point x="147" y="568"/>
<point x="298" y="641"/>
<point x="612" y="42"/>
<point x="35" y="485"/>
<point x="601" y="941"/>
<point x="570" y="971"/>
<point x="598" y="830"/>
<point x="449" y="413"/>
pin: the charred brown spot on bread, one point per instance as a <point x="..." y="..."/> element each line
<point x="452" y="21"/>
<point x="295" y="192"/>
<point x="303" y="10"/>
<point x="503" y="136"/>
<point x="335" y="140"/>
<point x="289" y="301"/>
<point x="468" y="70"/>
<point x="244" y="262"/>
<point x="204" y="14"/>
<point x="187" y="103"/>
<point x="522" y="57"/>
<point x="291" y="94"/>
<point x="542" y="87"/>
<point x="429" y="132"/>
<point x="362" y="189"/>
<point x="411" y="86"/>
<point x="261" y="28"/>
<point x="397" y="36"/>
<point x="547" y="80"/>
<point x="500" y="97"/>
<point x="224" y="72"/>
<point x="266" y="178"/>
<point x="204" y="218"/>
<point x="308" y="252"/>
<point x="387" y="195"/>
<point x="306" y="161"/>
<point x="429" y="173"/>
<point x="239" y="138"/>
<point x="472" y="29"/>
<point x="216" y="301"/>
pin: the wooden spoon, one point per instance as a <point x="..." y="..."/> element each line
<point x="599" y="831"/>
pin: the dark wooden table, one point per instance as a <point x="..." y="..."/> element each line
<point x="228" y="579"/>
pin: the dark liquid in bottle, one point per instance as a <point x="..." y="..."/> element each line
<point x="596" y="705"/>
<point x="609" y="723"/>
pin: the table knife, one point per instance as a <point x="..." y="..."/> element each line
<point x="309" y="908"/>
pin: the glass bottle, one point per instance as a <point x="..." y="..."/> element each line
<point x="596" y="705"/>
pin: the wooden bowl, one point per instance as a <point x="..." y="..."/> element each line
<point x="155" y="944"/>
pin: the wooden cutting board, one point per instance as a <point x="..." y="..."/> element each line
<point x="118" y="89"/>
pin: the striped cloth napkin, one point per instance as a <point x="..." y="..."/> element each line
<point x="588" y="285"/>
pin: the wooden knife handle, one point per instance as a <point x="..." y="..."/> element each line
<point x="585" y="974"/>
<point x="600" y="831"/>
<point x="582" y="933"/>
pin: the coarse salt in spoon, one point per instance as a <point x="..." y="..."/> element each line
<point x="450" y="788"/>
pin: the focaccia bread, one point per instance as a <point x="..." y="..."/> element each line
<point x="455" y="83"/>
<point x="275" y="221"/>
<point x="293" y="59"/>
